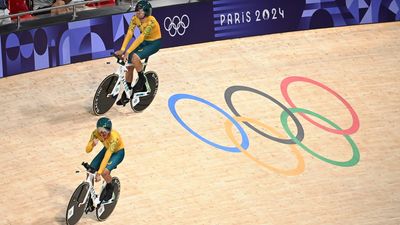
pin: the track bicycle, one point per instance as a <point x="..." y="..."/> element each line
<point x="108" y="90"/>
<point x="85" y="199"/>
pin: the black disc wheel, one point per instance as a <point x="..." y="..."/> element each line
<point x="76" y="206"/>
<point x="145" y="101"/>
<point x="104" y="210"/>
<point x="103" y="100"/>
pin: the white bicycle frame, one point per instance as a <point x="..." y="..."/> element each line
<point x="121" y="77"/>
<point x="96" y="199"/>
<point x="92" y="194"/>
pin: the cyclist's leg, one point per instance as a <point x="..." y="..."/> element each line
<point x="148" y="49"/>
<point x="128" y="77"/>
<point x="115" y="159"/>
<point x="139" y="86"/>
<point x="131" y="59"/>
<point x="137" y="63"/>
<point x="107" y="193"/>
<point x="95" y="164"/>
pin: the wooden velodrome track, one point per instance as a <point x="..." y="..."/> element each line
<point x="169" y="176"/>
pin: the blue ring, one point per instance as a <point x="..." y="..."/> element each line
<point x="171" y="104"/>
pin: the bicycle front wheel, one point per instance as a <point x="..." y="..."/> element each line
<point x="76" y="206"/>
<point x="103" y="100"/>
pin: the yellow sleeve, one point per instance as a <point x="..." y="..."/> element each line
<point x="89" y="146"/>
<point x="145" y="34"/>
<point x="127" y="38"/>
<point x="129" y="33"/>
<point x="104" y="162"/>
<point x="136" y="43"/>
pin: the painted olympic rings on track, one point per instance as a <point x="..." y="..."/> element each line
<point x="356" y="122"/>
<point x="297" y="139"/>
<point x="300" y="159"/>
<point x="228" y="98"/>
<point x="356" y="154"/>
<point x="172" y="103"/>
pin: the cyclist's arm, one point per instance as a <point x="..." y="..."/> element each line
<point x="104" y="162"/>
<point x="90" y="144"/>
<point x="146" y="32"/>
<point x="127" y="38"/>
<point x="135" y="44"/>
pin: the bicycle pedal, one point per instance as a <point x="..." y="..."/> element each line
<point x="107" y="202"/>
<point x="89" y="209"/>
<point x="123" y="102"/>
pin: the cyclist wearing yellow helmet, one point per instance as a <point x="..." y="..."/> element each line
<point x="146" y="44"/>
<point x="109" y="157"/>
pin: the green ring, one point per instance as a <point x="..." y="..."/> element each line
<point x="356" y="153"/>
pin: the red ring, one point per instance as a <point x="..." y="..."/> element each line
<point x="356" y="122"/>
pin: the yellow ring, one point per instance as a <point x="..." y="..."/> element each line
<point x="292" y="172"/>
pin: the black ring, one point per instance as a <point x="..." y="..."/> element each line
<point x="228" y="99"/>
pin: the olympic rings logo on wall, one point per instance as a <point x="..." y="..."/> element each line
<point x="174" y="25"/>
<point x="276" y="136"/>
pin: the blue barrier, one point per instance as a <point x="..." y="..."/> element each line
<point x="185" y="24"/>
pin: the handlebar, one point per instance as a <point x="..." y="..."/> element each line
<point x="119" y="60"/>
<point x="88" y="167"/>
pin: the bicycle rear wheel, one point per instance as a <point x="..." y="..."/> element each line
<point x="105" y="209"/>
<point x="103" y="101"/>
<point x="145" y="101"/>
<point x="76" y="206"/>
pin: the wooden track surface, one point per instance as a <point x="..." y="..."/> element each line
<point x="170" y="177"/>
